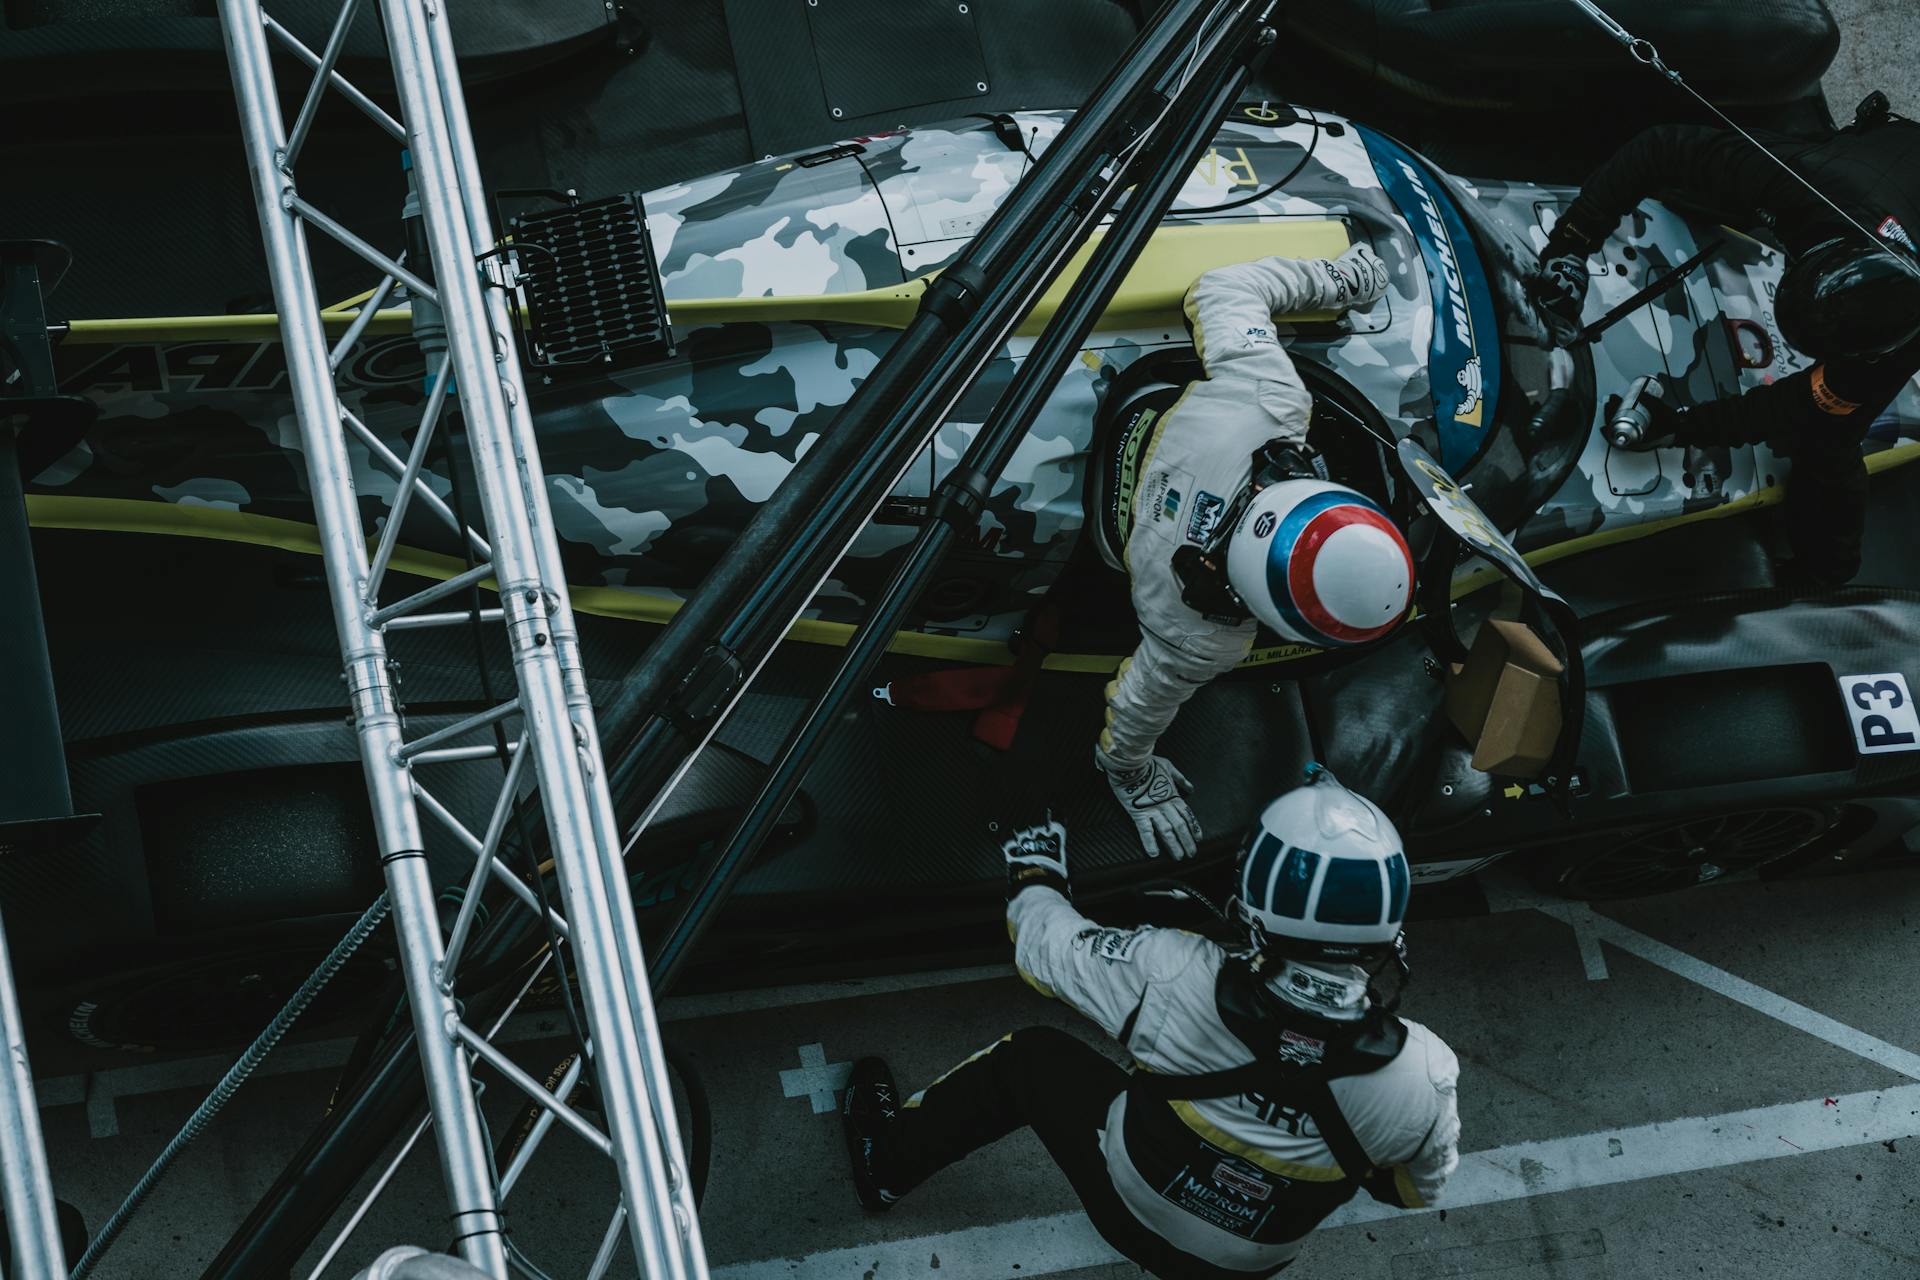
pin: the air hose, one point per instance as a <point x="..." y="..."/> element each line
<point x="230" y="1083"/>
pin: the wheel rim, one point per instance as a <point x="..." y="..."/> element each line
<point x="1690" y="852"/>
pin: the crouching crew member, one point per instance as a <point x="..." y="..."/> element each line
<point x="1269" y="1084"/>
<point x="1849" y="299"/>
<point x="1233" y="524"/>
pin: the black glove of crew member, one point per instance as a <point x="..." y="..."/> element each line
<point x="1037" y="856"/>
<point x="1279" y="459"/>
<point x="1559" y="290"/>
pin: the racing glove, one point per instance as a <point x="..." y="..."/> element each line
<point x="1559" y="289"/>
<point x="1357" y="277"/>
<point x="1282" y="459"/>
<point x="1037" y="855"/>
<point x="1154" y="796"/>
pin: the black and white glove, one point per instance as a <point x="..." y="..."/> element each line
<point x="1357" y="277"/>
<point x="1037" y="855"/>
<point x="1155" y="797"/>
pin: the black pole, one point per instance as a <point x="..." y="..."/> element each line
<point x="1190" y="128"/>
<point x="673" y="731"/>
<point x="689" y="675"/>
<point x="37" y="425"/>
<point x="33" y="760"/>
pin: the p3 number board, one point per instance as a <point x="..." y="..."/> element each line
<point x="1882" y="711"/>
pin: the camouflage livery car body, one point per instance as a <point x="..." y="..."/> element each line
<point x="652" y="470"/>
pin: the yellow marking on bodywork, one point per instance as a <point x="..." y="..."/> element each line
<point x="1112" y="691"/>
<point x="134" y="515"/>
<point x="1150" y="295"/>
<point x="252" y="328"/>
<point x="1153" y="292"/>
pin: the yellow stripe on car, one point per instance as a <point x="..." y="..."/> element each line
<point x="133" y="515"/>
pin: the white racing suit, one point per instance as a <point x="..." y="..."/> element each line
<point x="1263" y="1177"/>
<point x="1197" y="462"/>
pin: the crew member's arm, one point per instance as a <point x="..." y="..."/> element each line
<point x="1150" y="687"/>
<point x="1714" y="169"/>
<point x="1098" y="971"/>
<point x="1231" y="309"/>
<point x="1418" y="1182"/>
<point x="1103" y="973"/>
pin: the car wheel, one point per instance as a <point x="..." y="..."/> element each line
<point x="1630" y="862"/>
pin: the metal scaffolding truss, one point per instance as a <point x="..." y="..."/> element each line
<point x="557" y="747"/>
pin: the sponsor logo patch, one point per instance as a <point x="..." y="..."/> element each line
<point x="1206" y="514"/>
<point x="1242" y="1178"/>
<point x="1469" y="380"/>
<point x="1295" y="1047"/>
<point x="1116" y="946"/>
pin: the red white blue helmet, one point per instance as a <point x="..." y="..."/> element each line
<point x="1320" y="564"/>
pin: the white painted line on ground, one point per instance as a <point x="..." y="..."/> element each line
<point x="1068" y="1242"/>
<point x="1758" y="998"/>
<point x="675" y="1008"/>
<point x="1579" y="917"/>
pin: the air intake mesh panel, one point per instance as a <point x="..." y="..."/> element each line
<point x="592" y="286"/>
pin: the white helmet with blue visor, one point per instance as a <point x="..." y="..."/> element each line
<point x="1323" y="877"/>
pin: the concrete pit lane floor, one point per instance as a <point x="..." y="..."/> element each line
<point x="1719" y="1083"/>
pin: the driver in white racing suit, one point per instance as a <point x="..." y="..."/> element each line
<point x="1191" y="472"/>
<point x="1268" y="1086"/>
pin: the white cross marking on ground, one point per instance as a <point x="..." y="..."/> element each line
<point x="816" y="1078"/>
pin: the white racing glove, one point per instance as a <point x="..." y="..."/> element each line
<point x="1358" y="276"/>
<point x="1036" y="855"/>
<point x="1154" y="796"/>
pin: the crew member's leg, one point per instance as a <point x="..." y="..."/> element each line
<point x="1060" y="1087"/>
<point x="1040" y="1077"/>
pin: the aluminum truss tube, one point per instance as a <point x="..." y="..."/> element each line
<point x="322" y="76"/>
<point x="464" y="1158"/>
<point x="512" y="493"/>
<point x="610" y="842"/>
<point x="27" y="1185"/>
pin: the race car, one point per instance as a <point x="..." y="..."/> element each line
<point x="208" y="735"/>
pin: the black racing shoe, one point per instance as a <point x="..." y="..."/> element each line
<point x="868" y="1111"/>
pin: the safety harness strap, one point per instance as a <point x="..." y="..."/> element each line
<point x="1306" y="1089"/>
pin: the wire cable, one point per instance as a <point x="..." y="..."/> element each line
<point x="1270" y="188"/>
<point x="1643" y="52"/>
<point x="230" y="1083"/>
